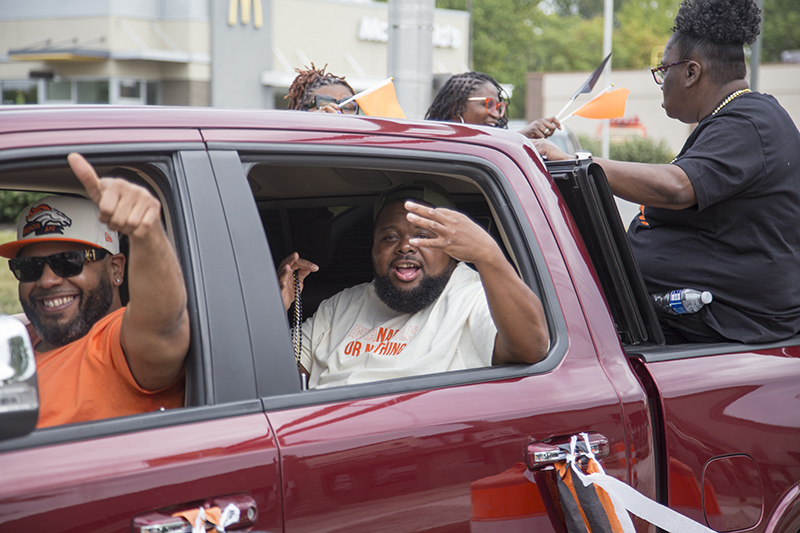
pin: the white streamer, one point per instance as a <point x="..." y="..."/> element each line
<point x="626" y="498"/>
<point x="230" y="515"/>
<point x="620" y="510"/>
<point x="200" y="522"/>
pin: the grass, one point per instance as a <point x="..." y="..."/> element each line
<point x="9" y="301"/>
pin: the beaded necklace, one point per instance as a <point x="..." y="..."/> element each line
<point x="729" y="98"/>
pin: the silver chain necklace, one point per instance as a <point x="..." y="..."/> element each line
<point x="297" y="335"/>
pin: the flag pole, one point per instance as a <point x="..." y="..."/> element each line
<point x="601" y="93"/>
<point x="558" y="115"/>
<point x="366" y="91"/>
<point x="587" y="86"/>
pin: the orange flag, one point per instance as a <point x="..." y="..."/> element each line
<point x="380" y="101"/>
<point x="608" y="104"/>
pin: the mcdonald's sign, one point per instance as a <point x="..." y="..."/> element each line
<point x="258" y="12"/>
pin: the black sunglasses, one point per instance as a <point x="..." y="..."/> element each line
<point x="350" y="108"/>
<point x="63" y="265"/>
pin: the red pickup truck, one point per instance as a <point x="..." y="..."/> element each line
<point x="712" y="431"/>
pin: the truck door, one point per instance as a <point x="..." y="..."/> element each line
<point x="724" y="415"/>
<point x="135" y="473"/>
<point x="731" y="432"/>
<point x="433" y="452"/>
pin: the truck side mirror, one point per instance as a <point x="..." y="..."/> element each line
<point x="19" y="394"/>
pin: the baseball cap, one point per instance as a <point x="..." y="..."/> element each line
<point x="64" y="219"/>
<point x="428" y="192"/>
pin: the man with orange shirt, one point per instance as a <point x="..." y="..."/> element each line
<point x="95" y="358"/>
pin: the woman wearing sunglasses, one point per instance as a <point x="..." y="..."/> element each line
<point x="476" y="98"/>
<point x="316" y="90"/>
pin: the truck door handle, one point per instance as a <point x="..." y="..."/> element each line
<point x="166" y="521"/>
<point x="543" y="453"/>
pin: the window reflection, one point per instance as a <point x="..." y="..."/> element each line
<point x="93" y="92"/>
<point x="20" y="92"/>
<point x="59" y="90"/>
<point x="130" y="89"/>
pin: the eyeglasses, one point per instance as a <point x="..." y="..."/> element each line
<point x="63" y="265"/>
<point x="660" y="72"/>
<point x="491" y="105"/>
<point x="350" y="108"/>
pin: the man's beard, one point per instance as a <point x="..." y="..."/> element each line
<point x="412" y="300"/>
<point x="94" y="305"/>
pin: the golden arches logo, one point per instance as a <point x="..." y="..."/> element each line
<point x="258" y="12"/>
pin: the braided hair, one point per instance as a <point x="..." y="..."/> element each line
<point x="717" y="31"/>
<point x="305" y="85"/>
<point x="451" y="100"/>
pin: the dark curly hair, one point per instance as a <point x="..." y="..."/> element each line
<point x="307" y="82"/>
<point x="451" y="100"/>
<point x="717" y="31"/>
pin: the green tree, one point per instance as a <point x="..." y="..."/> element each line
<point x="12" y="202"/>
<point x="641" y="29"/>
<point x="503" y="46"/>
<point x="583" y="8"/>
<point x="780" y="28"/>
<point x="514" y="37"/>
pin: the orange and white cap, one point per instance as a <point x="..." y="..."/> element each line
<point x="64" y="219"/>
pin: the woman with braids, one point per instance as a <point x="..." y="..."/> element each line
<point x="316" y="90"/>
<point x="723" y="216"/>
<point x="476" y="98"/>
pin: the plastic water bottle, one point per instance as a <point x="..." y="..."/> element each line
<point x="681" y="301"/>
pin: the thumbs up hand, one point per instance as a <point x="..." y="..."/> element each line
<point x="124" y="206"/>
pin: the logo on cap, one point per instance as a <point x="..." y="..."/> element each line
<point x="44" y="220"/>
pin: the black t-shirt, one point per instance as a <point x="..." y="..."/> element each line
<point x="742" y="239"/>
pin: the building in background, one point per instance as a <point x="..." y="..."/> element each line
<point x="104" y="52"/>
<point x="224" y="53"/>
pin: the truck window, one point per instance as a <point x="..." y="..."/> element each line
<point x="591" y="203"/>
<point x="325" y="213"/>
<point x="40" y="178"/>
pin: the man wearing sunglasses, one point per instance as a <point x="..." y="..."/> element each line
<point x="95" y="357"/>
<point x="722" y="216"/>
